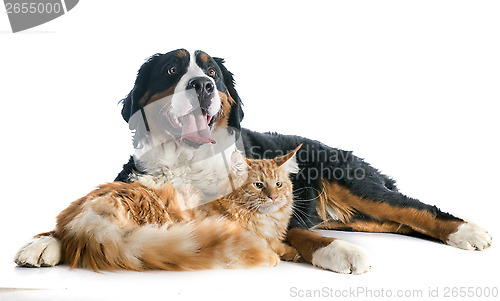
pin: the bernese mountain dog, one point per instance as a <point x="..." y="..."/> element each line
<point x="185" y="114"/>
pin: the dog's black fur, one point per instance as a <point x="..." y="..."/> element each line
<point x="334" y="165"/>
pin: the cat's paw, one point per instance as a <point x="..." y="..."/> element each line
<point x="342" y="257"/>
<point x="290" y="254"/>
<point x="41" y="251"/>
<point x="256" y="258"/>
<point x="286" y="252"/>
<point x="272" y="259"/>
<point x="470" y="237"/>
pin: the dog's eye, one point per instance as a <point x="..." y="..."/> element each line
<point x="212" y="72"/>
<point x="279" y="184"/>
<point x="172" y="70"/>
<point x="259" y="185"/>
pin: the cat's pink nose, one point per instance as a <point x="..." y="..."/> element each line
<point x="273" y="197"/>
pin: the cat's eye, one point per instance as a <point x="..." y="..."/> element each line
<point x="279" y="184"/>
<point x="259" y="185"/>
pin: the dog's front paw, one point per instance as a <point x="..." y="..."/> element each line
<point x="342" y="257"/>
<point x="41" y="251"/>
<point x="470" y="237"/>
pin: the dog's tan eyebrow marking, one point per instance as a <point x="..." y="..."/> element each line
<point x="182" y="53"/>
<point x="204" y="57"/>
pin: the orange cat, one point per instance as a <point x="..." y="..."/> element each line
<point x="131" y="226"/>
<point x="263" y="202"/>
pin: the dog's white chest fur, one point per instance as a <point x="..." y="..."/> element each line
<point x="206" y="168"/>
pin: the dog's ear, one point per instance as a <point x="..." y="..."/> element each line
<point x="236" y="113"/>
<point x="131" y="102"/>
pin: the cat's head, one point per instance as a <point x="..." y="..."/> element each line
<point x="266" y="186"/>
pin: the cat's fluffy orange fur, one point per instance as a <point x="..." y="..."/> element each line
<point x="131" y="226"/>
<point x="263" y="203"/>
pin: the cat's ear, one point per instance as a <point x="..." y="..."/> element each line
<point x="289" y="162"/>
<point x="239" y="163"/>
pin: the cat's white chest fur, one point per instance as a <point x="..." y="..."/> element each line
<point x="271" y="226"/>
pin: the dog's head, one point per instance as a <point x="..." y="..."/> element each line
<point x="186" y="95"/>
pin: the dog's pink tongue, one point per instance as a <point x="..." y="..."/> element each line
<point x="195" y="128"/>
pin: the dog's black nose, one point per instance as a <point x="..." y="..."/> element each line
<point x="204" y="90"/>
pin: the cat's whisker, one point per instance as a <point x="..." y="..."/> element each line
<point x="297" y="210"/>
<point x="257" y="208"/>
<point x="248" y="212"/>
<point x="299" y="218"/>
<point x="306" y="200"/>
<point x="318" y="193"/>
<point x="247" y="208"/>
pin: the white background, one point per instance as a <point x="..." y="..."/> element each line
<point x="411" y="86"/>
